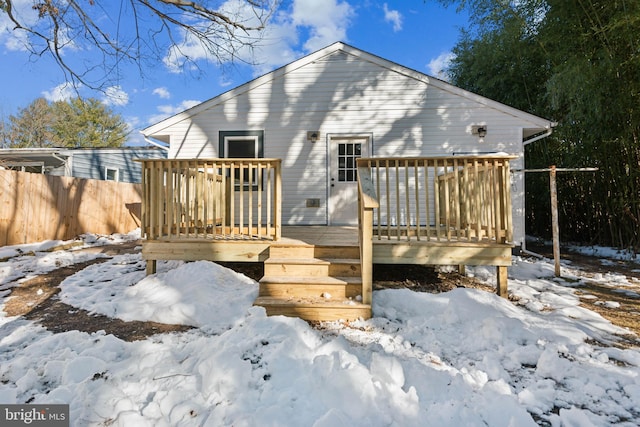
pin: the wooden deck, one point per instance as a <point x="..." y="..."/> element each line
<point x="315" y="272"/>
<point x="430" y="211"/>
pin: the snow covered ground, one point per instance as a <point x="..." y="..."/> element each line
<point x="462" y="358"/>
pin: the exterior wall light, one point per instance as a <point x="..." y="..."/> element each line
<point x="480" y="130"/>
<point x="313" y="135"/>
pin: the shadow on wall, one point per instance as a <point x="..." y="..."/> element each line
<point x="135" y="210"/>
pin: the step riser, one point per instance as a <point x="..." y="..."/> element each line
<point x="297" y="280"/>
<point x="313" y="270"/>
<point x="319" y="314"/>
<point x="345" y="270"/>
<point x="348" y="252"/>
<point x="302" y="290"/>
<point x="280" y="269"/>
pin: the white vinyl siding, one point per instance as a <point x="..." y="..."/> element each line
<point x="346" y="94"/>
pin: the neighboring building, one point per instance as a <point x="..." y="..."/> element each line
<point x="321" y="112"/>
<point x="113" y="164"/>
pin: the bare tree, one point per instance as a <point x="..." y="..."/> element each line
<point x="142" y="32"/>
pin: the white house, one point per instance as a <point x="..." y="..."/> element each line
<point x="322" y="111"/>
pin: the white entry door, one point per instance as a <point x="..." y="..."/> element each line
<point x="343" y="177"/>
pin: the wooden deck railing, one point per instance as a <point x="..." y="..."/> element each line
<point x="211" y="198"/>
<point x="434" y="201"/>
<point x="443" y="199"/>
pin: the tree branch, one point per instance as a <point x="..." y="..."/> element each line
<point x="71" y="24"/>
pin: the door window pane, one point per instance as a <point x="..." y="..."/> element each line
<point x="348" y="152"/>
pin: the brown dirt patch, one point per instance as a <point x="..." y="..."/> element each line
<point x="627" y="315"/>
<point x="421" y="278"/>
<point x="37" y="299"/>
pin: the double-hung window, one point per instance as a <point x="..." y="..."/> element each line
<point x="243" y="145"/>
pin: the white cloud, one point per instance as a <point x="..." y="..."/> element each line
<point x="394" y="17"/>
<point x="162" y="92"/>
<point x="135" y="137"/>
<point x="16" y="40"/>
<point x="62" y="92"/>
<point x="27" y="16"/>
<point x="438" y="66"/>
<point x="169" y="110"/>
<point x="325" y="22"/>
<point x="114" y="95"/>
<point x="192" y="49"/>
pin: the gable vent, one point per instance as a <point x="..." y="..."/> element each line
<point x="338" y="56"/>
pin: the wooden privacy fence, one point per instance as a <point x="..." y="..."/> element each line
<point x="441" y="199"/>
<point x="211" y="198"/>
<point x="36" y="207"/>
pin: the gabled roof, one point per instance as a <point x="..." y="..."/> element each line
<point x="538" y="124"/>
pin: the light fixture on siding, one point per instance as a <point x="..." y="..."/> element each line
<point x="480" y="130"/>
<point x="313" y="135"/>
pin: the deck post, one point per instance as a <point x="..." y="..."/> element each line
<point x="366" y="254"/>
<point x="152" y="266"/>
<point x="501" y="285"/>
<point x="366" y="204"/>
<point x="277" y="201"/>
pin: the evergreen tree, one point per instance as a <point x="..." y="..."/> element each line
<point x="87" y="123"/>
<point x="74" y="123"/>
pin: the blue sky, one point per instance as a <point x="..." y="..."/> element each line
<point x="414" y="33"/>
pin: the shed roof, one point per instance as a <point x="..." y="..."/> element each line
<point x="534" y="124"/>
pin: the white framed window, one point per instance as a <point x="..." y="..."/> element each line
<point x="243" y="145"/>
<point x="111" y="174"/>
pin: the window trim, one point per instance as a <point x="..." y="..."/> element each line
<point x="106" y="174"/>
<point x="240" y="134"/>
<point x="229" y="136"/>
<point x="232" y="138"/>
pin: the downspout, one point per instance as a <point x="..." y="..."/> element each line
<point x="65" y="162"/>
<point x="148" y="141"/>
<point x="539" y="137"/>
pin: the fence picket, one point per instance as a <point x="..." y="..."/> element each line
<point x="40" y="207"/>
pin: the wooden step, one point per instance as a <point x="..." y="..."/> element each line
<point x="312" y="267"/>
<point x="310" y="286"/>
<point x="283" y="250"/>
<point x="315" y="309"/>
